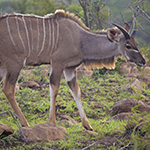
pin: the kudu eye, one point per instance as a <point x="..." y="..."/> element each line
<point x="128" y="46"/>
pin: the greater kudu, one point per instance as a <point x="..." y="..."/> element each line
<point x="64" y="42"/>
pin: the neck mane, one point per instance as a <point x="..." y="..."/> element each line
<point x="108" y="63"/>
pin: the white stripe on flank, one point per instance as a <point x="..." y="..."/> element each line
<point x="27" y="35"/>
<point x="43" y="37"/>
<point x="24" y="62"/>
<point x="57" y="32"/>
<point x="53" y="34"/>
<point x="49" y="44"/>
<point x="9" y="31"/>
<point x="38" y="35"/>
<point x="31" y="34"/>
<point x="19" y="33"/>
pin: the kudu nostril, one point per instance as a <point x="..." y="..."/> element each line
<point x="143" y="62"/>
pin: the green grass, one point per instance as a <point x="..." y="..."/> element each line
<point x="98" y="96"/>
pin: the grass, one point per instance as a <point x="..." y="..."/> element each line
<point x="98" y="96"/>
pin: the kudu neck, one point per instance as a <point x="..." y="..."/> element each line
<point x="97" y="46"/>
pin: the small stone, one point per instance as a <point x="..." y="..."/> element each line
<point x="5" y="130"/>
<point x="30" y="84"/>
<point x="44" y="132"/>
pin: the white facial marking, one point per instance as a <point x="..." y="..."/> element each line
<point x="126" y="56"/>
<point x="135" y="50"/>
<point x="9" y="31"/>
<point x="19" y="33"/>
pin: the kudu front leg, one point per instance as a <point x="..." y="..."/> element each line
<point x="70" y="75"/>
<point x="55" y="76"/>
<point x="9" y="91"/>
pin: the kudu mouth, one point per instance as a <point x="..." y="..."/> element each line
<point x="140" y="64"/>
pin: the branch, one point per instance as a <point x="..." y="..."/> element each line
<point x="144" y="29"/>
<point x="90" y="145"/>
<point x="4" y="112"/>
<point x="125" y="146"/>
<point x="138" y="13"/>
<point x="134" y="28"/>
<point x="83" y="5"/>
<point x="143" y="12"/>
<point x="15" y="117"/>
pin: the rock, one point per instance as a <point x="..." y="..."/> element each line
<point x="121" y="116"/>
<point x="127" y="104"/>
<point x="67" y="121"/>
<point x="146" y="70"/>
<point x="133" y="75"/>
<point x="81" y="72"/>
<point x="5" y="130"/>
<point x="142" y="78"/>
<point x="28" y="72"/>
<point x="135" y="84"/>
<point x="146" y="80"/>
<point x="44" y="132"/>
<point x="128" y="67"/>
<point x="30" y="84"/>
<point x="85" y="132"/>
<point x="87" y="73"/>
<point x="44" y="72"/>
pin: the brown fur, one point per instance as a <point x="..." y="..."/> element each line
<point x="62" y="40"/>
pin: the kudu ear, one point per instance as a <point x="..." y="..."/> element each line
<point x="126" y="27"/>
<point x="123" y="30"/>
<point x="112" y="35"/>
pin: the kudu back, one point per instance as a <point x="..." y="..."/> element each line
<point x="64" y="42"/>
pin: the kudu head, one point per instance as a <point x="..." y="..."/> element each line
<point x="127" y="46"/>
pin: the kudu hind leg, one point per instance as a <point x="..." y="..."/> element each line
<point x="55" y="76"/>
<point x="9" y="91"/>
<point x="70" y="75"/>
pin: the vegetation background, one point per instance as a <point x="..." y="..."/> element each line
<point x="98" y="93"/>
<point x="97" y="14"/>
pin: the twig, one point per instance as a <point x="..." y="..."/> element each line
<point x="5" y="112"/>
<point x="90" y="145"/>
<point x="125" y="146"/>
<point x="15" y="117"/>
<point x="134" y="130"/>
<point x="143" y="12"/>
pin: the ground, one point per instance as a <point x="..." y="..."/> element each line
<point x="98" y="96"/>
